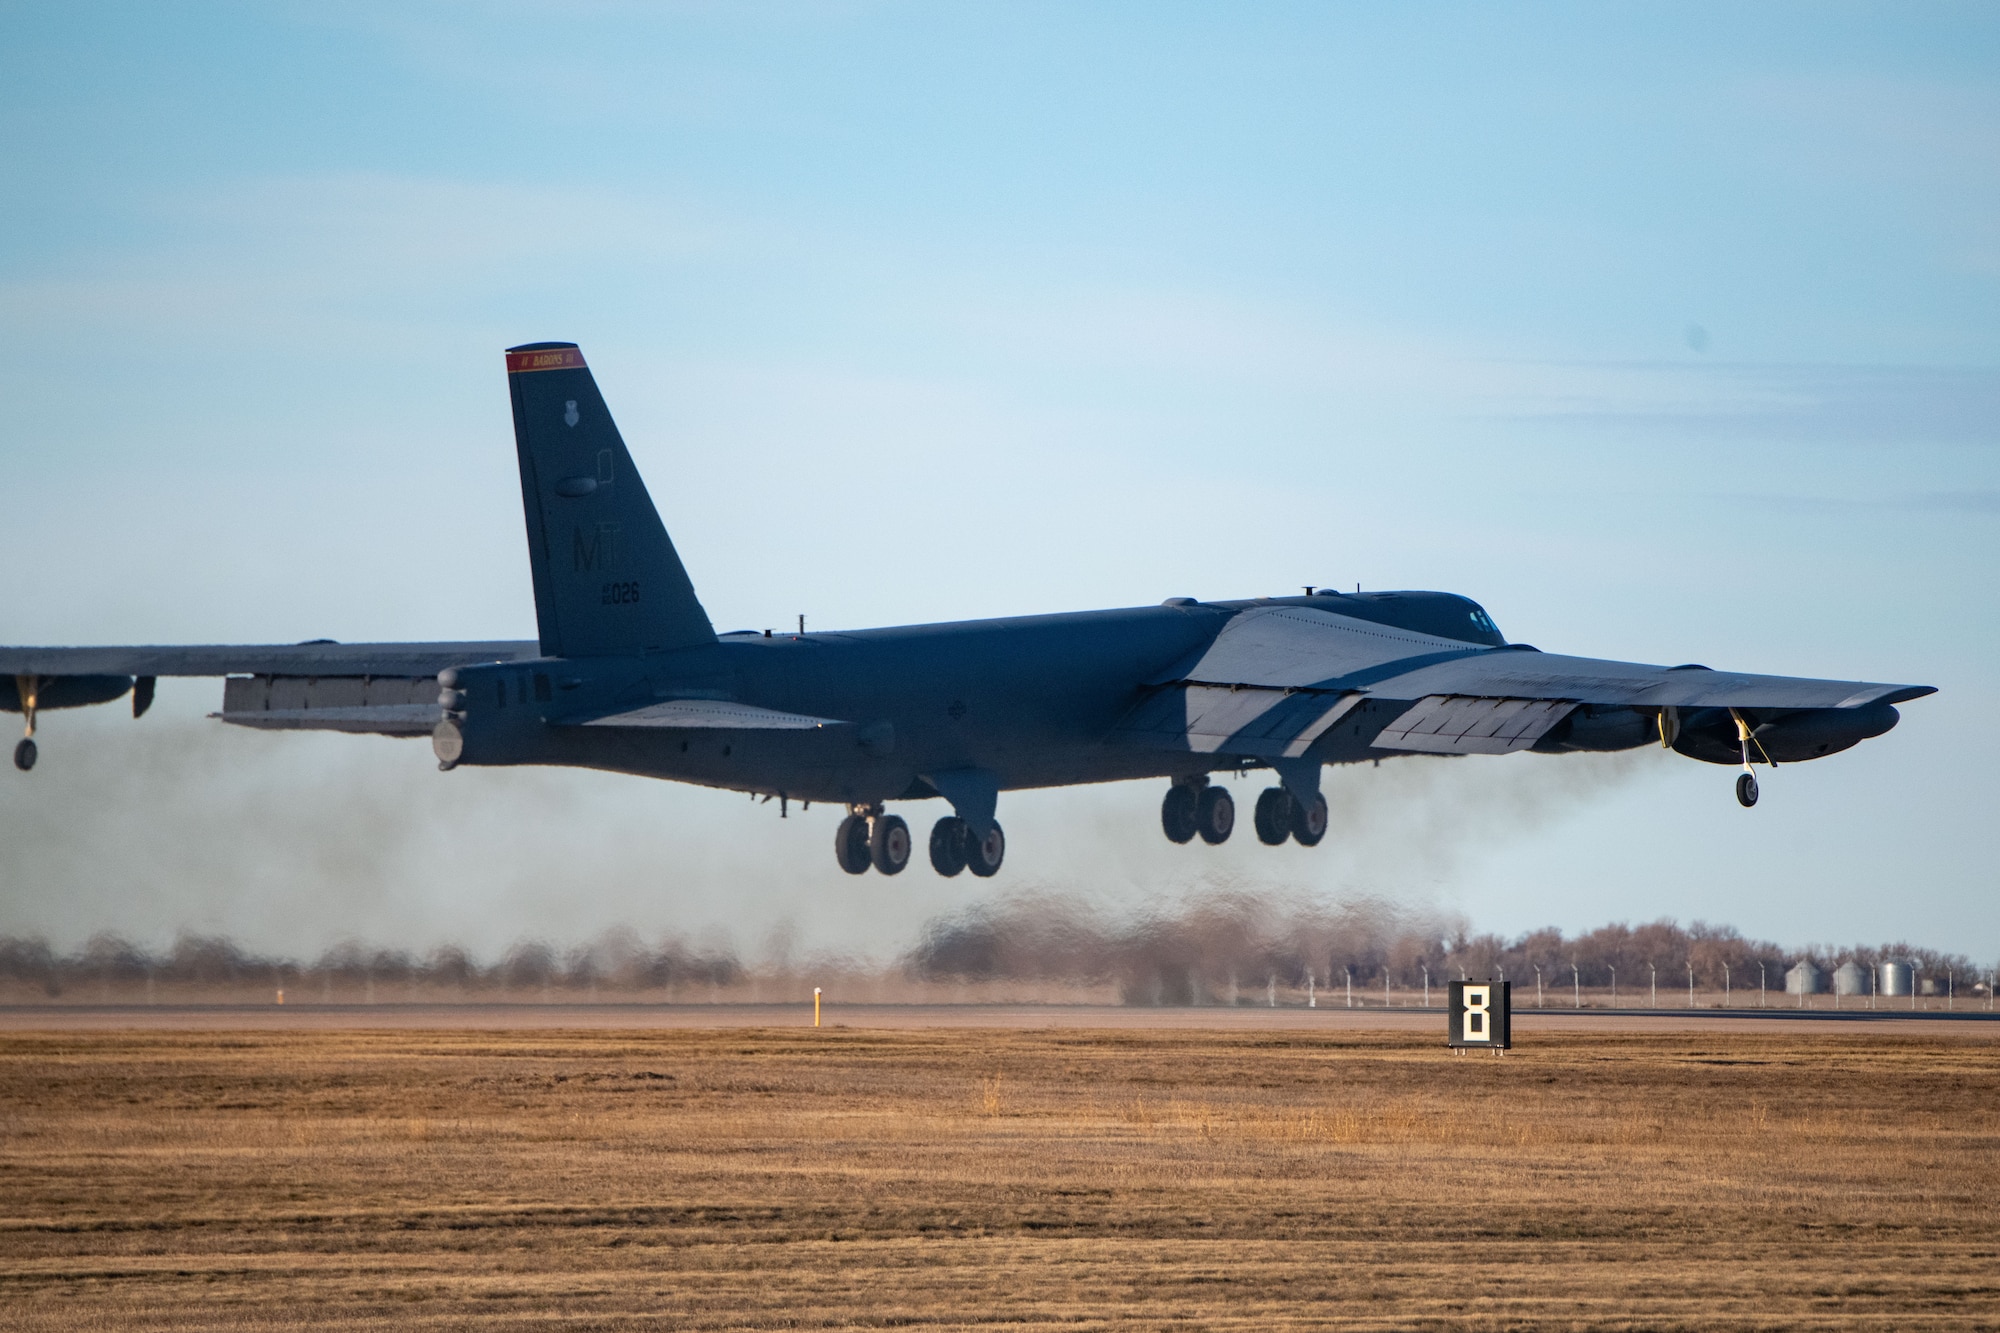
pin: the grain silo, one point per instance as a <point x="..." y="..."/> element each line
<point x="1805" y="979"/>
<point x="1899" y="979"/>
<point x="1850" y="978"/>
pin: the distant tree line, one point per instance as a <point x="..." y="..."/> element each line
<point x="1234" y="948"/>
<point x="618" y="962"/>
<point x="1221" y="949"/>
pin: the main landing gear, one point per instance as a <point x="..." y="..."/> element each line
<point x="1198" y="808"/>
<point x="868" y="837"/>
<point x="1195" y="807"/>
<point x="954" y="848"/>
<point x="1192" y="808"/>
<point x="1281" y="816"/>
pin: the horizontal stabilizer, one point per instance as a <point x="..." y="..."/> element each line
<point x="709" y="715"/>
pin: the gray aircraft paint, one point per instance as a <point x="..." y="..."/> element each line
<point x="628" y="674"/>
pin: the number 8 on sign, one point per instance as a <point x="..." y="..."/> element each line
<point x="1480" y="1014"/>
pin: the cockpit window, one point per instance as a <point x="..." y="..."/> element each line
<point x="1481" y="620"/>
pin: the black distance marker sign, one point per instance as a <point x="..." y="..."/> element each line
<point x="1480" y="1014"/>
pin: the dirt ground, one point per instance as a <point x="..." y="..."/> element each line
<point x="1839" y="1177"/>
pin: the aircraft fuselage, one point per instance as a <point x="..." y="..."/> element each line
<point x="1029" y="699"/>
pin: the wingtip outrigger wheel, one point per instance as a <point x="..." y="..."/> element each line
<point x="29" y="689"/>
<point x="1746" y="781"/>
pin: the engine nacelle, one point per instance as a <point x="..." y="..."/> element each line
<point x="1785" y="738"/>
<point x="1590" y="727"/>
<point x="64" y="691"/>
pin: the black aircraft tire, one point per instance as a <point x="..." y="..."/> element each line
<point x="25" y="754"/>
<point x="983" y="855"/>
<point x="948" y="839"/>
<point x="1216" y="815"/>
<point x="889" y="844"/>
<point x="1309" y="822"/>
<point x="1273" y="819"/>
<point x="850" y="845"/>
<point x="1177" y="813"/>
<point x="1746" y="789"/>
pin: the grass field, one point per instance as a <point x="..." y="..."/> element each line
<point x="1053" y="1178"/>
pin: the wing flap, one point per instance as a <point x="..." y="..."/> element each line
<point x="373" y="705"/>
<point x="1455" y="724"/>
<point x="381" y="720"/>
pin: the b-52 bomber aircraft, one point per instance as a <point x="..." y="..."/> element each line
<point x="628" y="675"/>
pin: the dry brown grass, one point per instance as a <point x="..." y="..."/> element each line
<point x="793" y="1178"/>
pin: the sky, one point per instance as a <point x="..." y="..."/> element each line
<point x="1667" y="333"/>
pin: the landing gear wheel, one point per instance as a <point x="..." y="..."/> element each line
<point x="948" y="839"/>
<point x="889" y="844"/>
<point x="984" y="854"/>
<point x="25" y="754"/>
<point x="1274" y="816"/>
<point x="1309" y="822"/>
<point x="1215" y="815"/>
<point x="1746" y="789"/>
<point x="850" y="845"/>
<point x="1177" y="813"/>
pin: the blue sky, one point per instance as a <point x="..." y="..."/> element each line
<point x="1668" y="333"/>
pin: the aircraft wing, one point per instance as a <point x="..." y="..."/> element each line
<point x="384" y="689"/>
<point x="283" y="659"/>
<point x="1276" y="678"/>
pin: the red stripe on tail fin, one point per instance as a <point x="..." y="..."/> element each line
<point x="544" y="358"/>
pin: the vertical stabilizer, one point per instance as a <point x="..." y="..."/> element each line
<point x="607" y="578"/>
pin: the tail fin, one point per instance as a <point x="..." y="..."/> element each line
<point x="607" y="579"/>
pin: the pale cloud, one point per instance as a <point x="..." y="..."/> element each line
<point x="1825" y="404"/>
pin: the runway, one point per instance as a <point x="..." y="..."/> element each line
<point x="969" y="1167"/>
<point x="898" y="1017"/>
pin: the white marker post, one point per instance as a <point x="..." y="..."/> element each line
<point x="815" y="1006"/>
